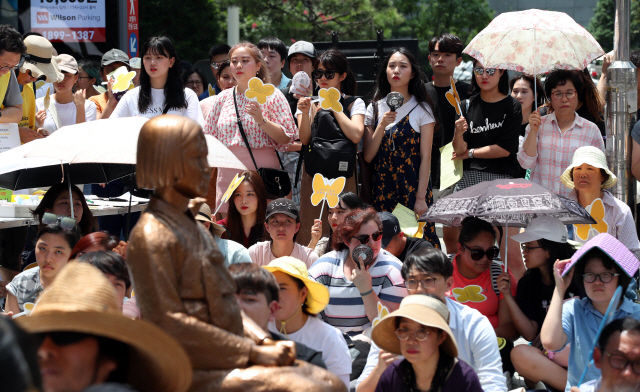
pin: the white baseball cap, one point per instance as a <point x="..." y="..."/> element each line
<point x="546" y="227"/>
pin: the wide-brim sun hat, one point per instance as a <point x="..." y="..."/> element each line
<point x="543" y="227"/>
<point x="422" y="309"/>
<point x="318" y="295"/>
<point x="81" y="299"/>
<point x="39" y="59"/>
<point x="613" y="248"/>
<point x="592" y="156"/>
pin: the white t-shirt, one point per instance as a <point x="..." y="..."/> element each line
<point x="322" y="337"/>
<point x="358" y="107"/>
<point x="128" y="105"/>
<point x="418" y="117"/>
<point x="66" y="113"/>
<point x="261" y="254"/>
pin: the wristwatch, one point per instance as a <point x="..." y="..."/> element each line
<point x="471" y="151"/>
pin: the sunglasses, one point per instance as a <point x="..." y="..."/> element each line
<point x="65" y="222"/>
<point x="479" y="71"/>
<point x="216" y="64"/>
<point x="318" y="73"/>
<point x="61" y="338"/>
<point x="478" y="254"/>
<point x="364" y="238"/>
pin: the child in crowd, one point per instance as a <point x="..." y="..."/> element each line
<point x="301" y="299"/>
<point x="247" y="209"/>
<point x="53" y="249"/>
<point x="543" y="242"/>
<point x="282" y="223"/>
<point x="599" y="267"/>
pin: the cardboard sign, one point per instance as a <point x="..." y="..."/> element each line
<point x="9" y="136"/>
<point x="330" y="99"/>
<point x="453" y="98"/>
<point x="383" y="311"/>
<point x="5" y="194"/>
<point x="327" y="189"/>
<point x="586" y="232"/>
<point x="258" y="91"/>
<point x="123" y="79"/>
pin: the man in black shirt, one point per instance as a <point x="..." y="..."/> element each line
<point x="395" y="242"/>
<point x="445" y="54"/>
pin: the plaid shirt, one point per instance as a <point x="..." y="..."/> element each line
<point x="26" y="286"/>
<point x="555" y="150"/>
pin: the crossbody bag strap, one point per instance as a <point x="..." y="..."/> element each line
<point x="244" y="136"/>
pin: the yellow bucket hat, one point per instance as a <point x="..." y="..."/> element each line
<point x="318" y="296"/>
<point x="592" y="156"/>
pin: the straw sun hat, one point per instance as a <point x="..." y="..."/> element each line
<point x="591" y="156"/>
<point x="318" y="295"/>
<point x="422" y="309"/>
<point x="81" y="299"/>
<point x="39" y="59"/>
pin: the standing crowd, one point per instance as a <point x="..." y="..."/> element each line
<point x="428" y="313"/>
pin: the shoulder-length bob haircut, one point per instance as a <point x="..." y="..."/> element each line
<point x="351" y="225"/>
<point x="160" y="149"/>
<point x="253" y="50"/>
<point x="86" y="223"/>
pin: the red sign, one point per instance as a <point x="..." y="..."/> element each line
<point x="132" y="28"/>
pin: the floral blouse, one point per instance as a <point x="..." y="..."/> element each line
<point x="221" y="122"/>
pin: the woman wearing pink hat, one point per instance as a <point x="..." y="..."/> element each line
<point x="589" y="178"/>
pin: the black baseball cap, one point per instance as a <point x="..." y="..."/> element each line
<point x="390" y="227"/>
<point x="283" y="206"/>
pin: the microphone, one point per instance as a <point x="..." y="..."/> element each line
<point x="362" y="255"/>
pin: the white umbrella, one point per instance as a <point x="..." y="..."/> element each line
<point x="114" y="141"/>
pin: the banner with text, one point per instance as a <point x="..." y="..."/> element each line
<point x="69" y="21"/>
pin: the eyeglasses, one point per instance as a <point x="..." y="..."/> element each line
<point x="426" y="283"/>
<point x="11" y="67"/>
<point x="558" y="95"/>
<point x="404" y="334"/>
<point x="61" y="338"/>
<point x="194" y="83"/>
<point x="478" y="254"/>
<point x="216" y="64"/>
<point x="318" y="73"/>
<point x="526" y="248"/>
<point x="604" y="277"/>
<point x="621" y="363"/>
<point x="65" y="221"/>
<point x="479" y="71"/>
<point x="364" y="238"/>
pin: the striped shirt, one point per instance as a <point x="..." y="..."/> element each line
<point x="345" y="310"/>
<point x="555" y="150"/>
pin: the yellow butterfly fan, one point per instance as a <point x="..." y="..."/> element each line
<point x="259" y="91"/>
<point x="212" y="91"/>
<point x="330" y="99"/>
<point x="471" y="293"/>
<point x="596" y="209"/>
<point x="326" y="189"/>
<point x="235" y="183"/>
<point x="453" y="98"/>
<point x="123" y="82"/>
<point x="383" y="311"/>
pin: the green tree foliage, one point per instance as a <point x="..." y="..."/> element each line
<point x="314" y="20"/>
<point x="603" y="20"/>
<point x="426" y="19"/>
<point x="193" y="25"/>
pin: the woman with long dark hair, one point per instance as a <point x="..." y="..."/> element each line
<point x="522" y="89"/>
<point x="339" y="130"/>
<point x="399" y="142"/>
<point x="247" y="211"/>
<point x="161" y="89"/>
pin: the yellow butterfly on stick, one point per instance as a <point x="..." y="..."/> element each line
<point x="326" y="189"/>
<point x="330" y="99"/>
<point x="259" y="91"/>
<point x="383" y="311"/>
<point x="471" y="293"/>
<point x="235" y="183"/>
<point x="453" y="98"/>
<point x="123" y="79"/>
<point x="212" y="91"/>
<point x="596" y="209"/>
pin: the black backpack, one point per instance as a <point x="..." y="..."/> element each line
<point x="330" y="152"/>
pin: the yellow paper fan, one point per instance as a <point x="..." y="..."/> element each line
<point x="123" y="82"/>
<point x="596" y="209"/>
<point x="453" y="97"/>
<point x="327" y="189"/>
<point x="259" y="91"/>
<point x="40" y="83"/>
<point x="383" y="311"/>
<point x="47" y="99"/>
<point x="235" y="183"/>
<point x="471" y="293"/>
<point x="330" y="99"/>
<point x="212" y="91"/>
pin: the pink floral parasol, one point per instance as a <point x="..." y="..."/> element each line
<point x="534" y="42"/>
